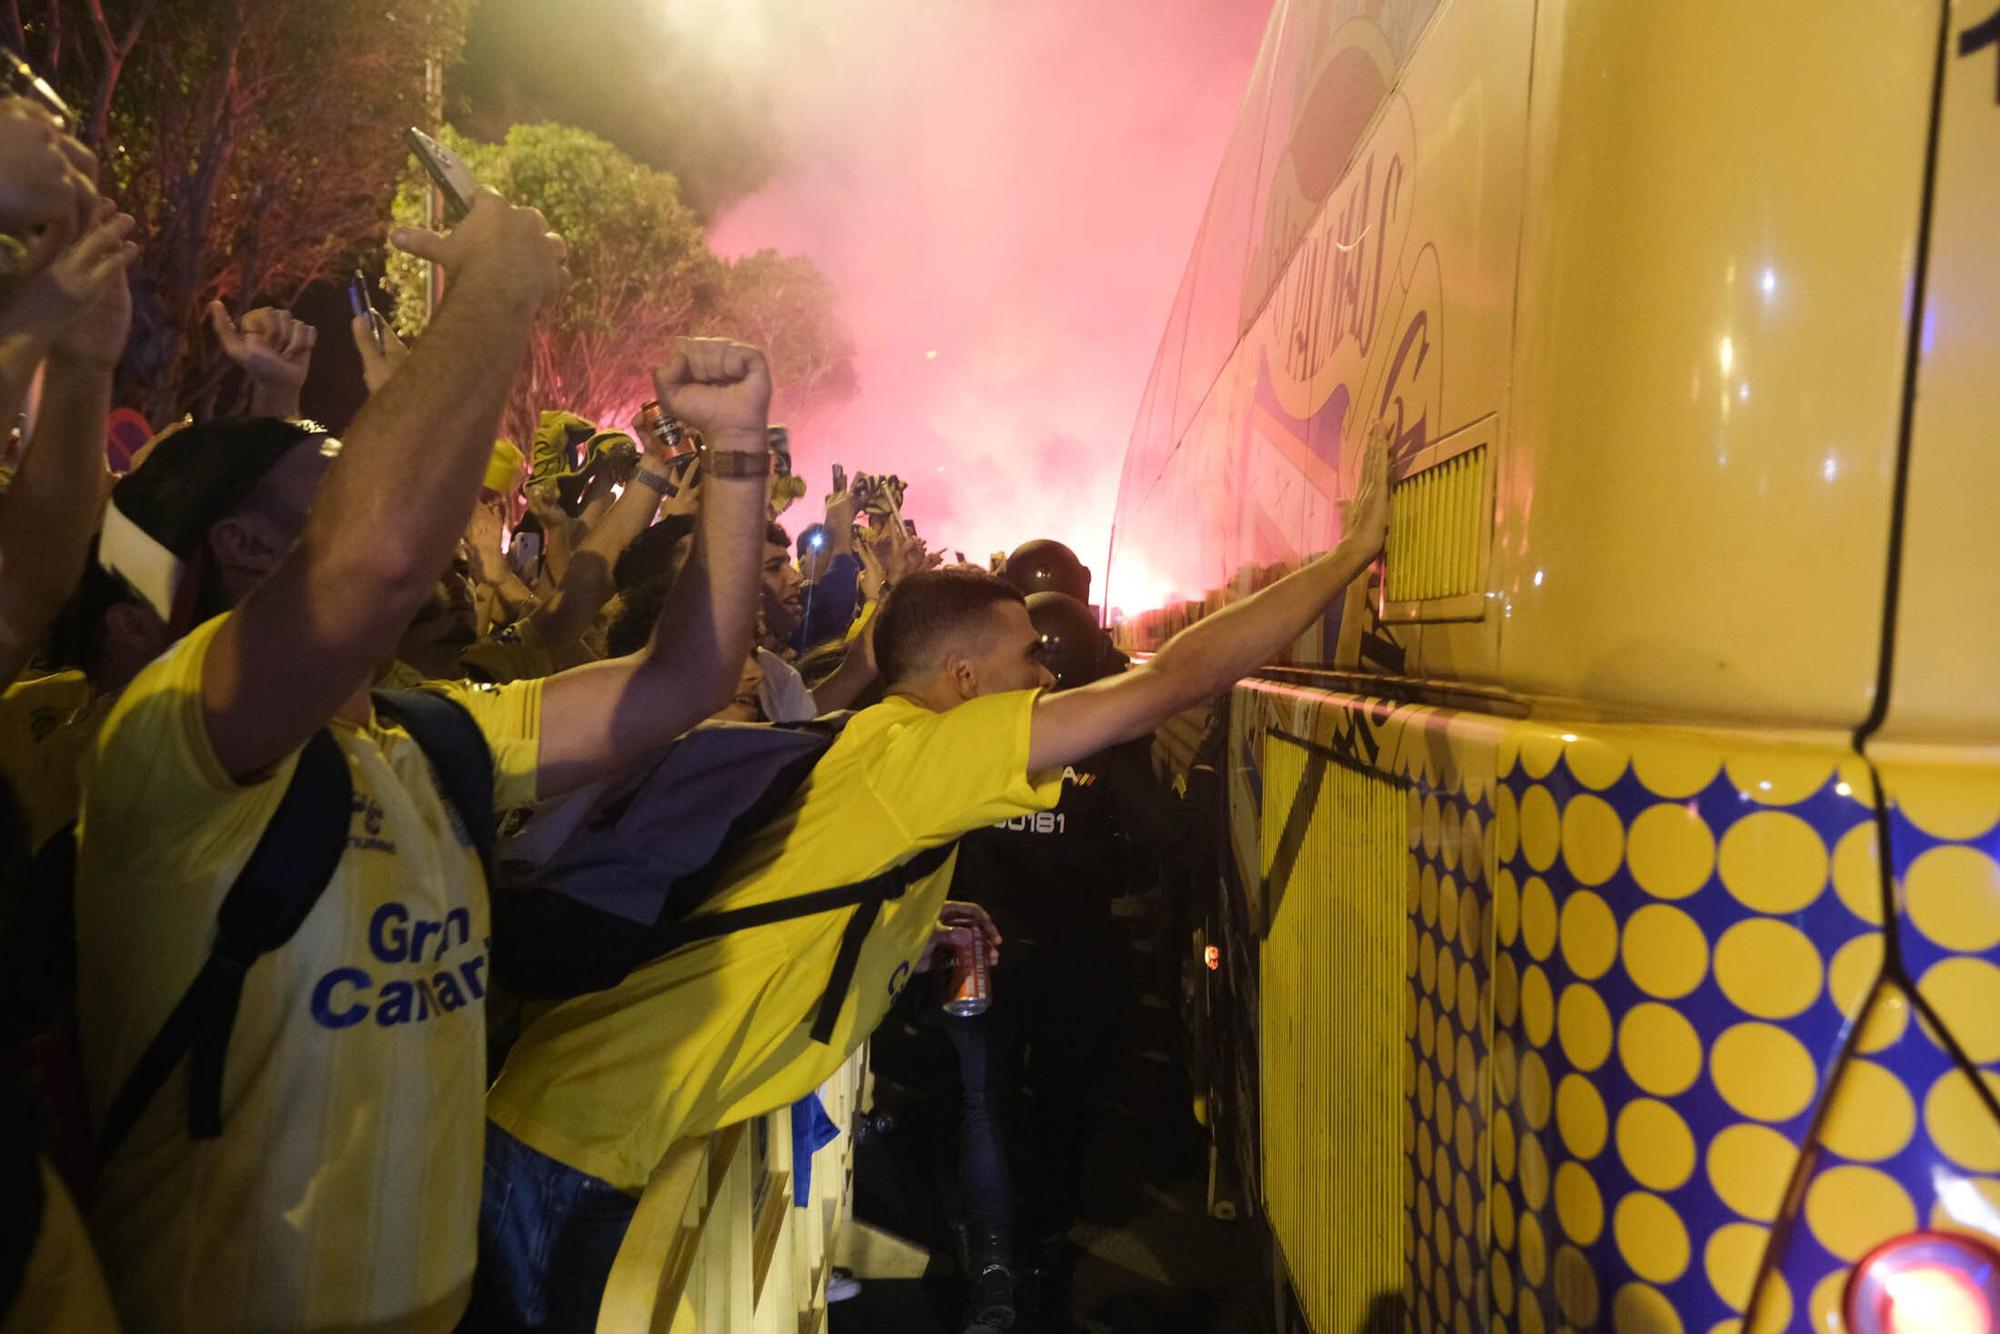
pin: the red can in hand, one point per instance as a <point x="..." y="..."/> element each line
<point x="654" y="421"/>
<point x="971" y="989"/>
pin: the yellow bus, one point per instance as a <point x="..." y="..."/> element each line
<point x="1607" y="927"/>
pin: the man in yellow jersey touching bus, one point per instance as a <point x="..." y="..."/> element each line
<point x="597" y="1089"/>
<point x="341" y="1191"/>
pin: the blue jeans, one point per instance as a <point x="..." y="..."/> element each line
<point x="547" y="1236"/>
<point x="986" y="1052"/>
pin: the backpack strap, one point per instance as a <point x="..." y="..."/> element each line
<point x="866" y="897"/>
<point x="893" y="884"/>
<point x="287" y="872"/>
<point x="458" y="753"/>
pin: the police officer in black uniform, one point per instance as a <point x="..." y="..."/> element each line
<point x="1034" y="1062"/>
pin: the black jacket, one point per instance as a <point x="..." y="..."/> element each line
<point x="1051" y="877"/>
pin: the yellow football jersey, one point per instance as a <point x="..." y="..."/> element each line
<point x="720" y="1030"/>
<point x="46" y="726"/>
<point x="344" y="1190"/>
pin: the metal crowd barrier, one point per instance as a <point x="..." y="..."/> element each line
<point x="718" y="1247"/>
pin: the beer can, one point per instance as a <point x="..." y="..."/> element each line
<point x="653" y="420"/>
<point x="971" y="990"/>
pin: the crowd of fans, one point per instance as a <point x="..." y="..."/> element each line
<point x="319" y="757"/>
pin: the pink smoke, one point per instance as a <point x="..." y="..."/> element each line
<point x="1005" y="193"/>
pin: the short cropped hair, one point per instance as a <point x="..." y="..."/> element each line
<point x="639" y="608"/>
<point x="775" y="535"/>
<point x="657" y="551"/>
<point x="926" y="611"/>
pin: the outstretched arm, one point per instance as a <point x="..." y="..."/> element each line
<point x="392" y="507"/>
<point x="1209" y="656"/>
<point x="598" y="719"/>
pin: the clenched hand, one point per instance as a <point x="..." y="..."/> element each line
<point x="721" y="388"/>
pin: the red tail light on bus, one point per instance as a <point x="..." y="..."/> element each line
<point x="1934" y="1282"/>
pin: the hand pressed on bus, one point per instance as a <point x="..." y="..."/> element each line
<point x="1367" y="515"/>
<point x="1211" y="655"/>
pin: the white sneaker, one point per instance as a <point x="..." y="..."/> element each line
<point x="841" y="1285"/>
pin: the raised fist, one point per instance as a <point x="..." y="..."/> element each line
<point x="721" y="388"/>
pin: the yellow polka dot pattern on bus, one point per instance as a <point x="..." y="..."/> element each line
<point x="1635" y="961"/>
<point x="1692" y="935"/>
<point x="1907" y="1141"/>
<point x="1448" y="1283"/>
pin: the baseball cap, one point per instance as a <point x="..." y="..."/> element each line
<point x="160" y="513"/>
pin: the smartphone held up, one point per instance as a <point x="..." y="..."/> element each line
<point x="364" y="308"/>
<point x="447" y="170"/>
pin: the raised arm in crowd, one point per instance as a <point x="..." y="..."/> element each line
<point x="1215" y="652"/>
<point x="311" y="633"/>
<point x="64" y="311"/>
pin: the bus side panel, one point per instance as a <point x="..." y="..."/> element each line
<point x="1681" y="928"/>
<point x="1376" y="1003"/>
<point x="1715" y="277"/>
<point x="1392" y="177"/>
<point x="1674" y="933"/>
<point x="1907" y="1141"/>
<point x="1947" y="654"/>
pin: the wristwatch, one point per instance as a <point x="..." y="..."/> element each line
<point x="735" y="463"/>
<point x="659" y="482"/>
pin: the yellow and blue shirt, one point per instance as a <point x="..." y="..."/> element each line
<point x="720" y="1030"/>
<point x="344" y="1190"/>
<point x="47" y="725"/>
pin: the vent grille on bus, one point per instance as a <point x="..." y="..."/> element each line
<point x="1437" y="529"/>
<point x="1335" y="1009"/>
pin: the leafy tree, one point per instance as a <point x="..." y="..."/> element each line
<point x="786" y="306"/>
<point x="641" y="273"/>
<point x="257" y="141"/>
